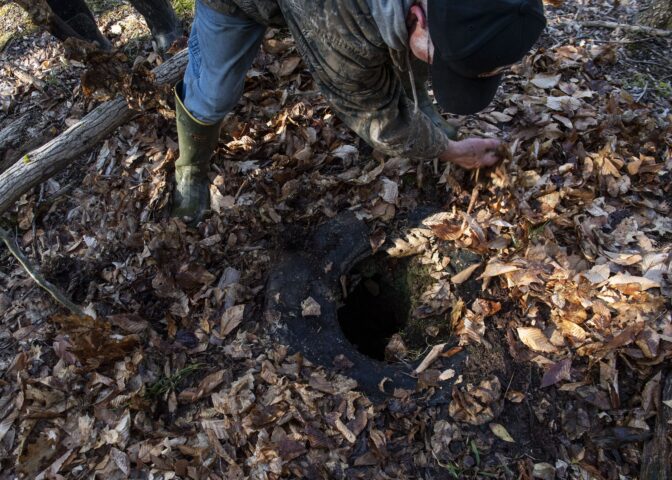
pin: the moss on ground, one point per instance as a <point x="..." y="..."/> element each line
<point x="13" y="21"/>
<point x="184" y="8"/>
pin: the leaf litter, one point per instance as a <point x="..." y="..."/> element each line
<point x="177" y="373"/>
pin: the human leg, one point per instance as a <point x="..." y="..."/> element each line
<point x="161" y="20"/>
<point x="76" y="15"/>
<point x="221" y="51"/>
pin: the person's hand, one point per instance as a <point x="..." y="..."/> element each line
<point x="473" y="152"/>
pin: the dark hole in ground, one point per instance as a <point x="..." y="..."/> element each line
<point x="379" y="302"/>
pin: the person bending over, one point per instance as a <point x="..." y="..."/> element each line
<point x="367" y="58"/>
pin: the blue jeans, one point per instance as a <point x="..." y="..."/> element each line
<point x="221" y="51"/>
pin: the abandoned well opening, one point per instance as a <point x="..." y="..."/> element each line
<point x="378" y="303"/>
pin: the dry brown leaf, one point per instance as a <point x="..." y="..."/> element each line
<point x="573" y="331"/>
<point x="121" y="460"/>
<point x="205" y="387"/>
<point x="501" y="432"/>
<point x="310" y="308"/>
<point x="545" y="80"/>
<point x="447" y="375"/>
<point x="7" y="423"/>
<point x="623" y="279"/>
<point x="390" y="191"/>
<point x="345" y="431"/>
<point x="288" y="66"/>
<point x="496" y="268"/>
<point x="231" y="318"/>
<point x="557" y="372"/>
<point x="651" y="393"/>
<point x="369" y="177"/>
<point x="465" y="274"/>
<point x="543" y="470"/>
<point x="535" y="339"/>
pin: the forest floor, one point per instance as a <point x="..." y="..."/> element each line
<point x="177" y="372"/>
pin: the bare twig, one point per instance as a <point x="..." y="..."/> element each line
<point x="36" y="276"/>
<point x="641" y="95"/>
<point x="659" y="32"/>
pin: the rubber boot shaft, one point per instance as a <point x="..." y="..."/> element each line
<point x="197" y="142"/>
<point x="161" y="20"/>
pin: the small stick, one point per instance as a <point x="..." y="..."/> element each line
<point x="659" y="32"/>
<point x="37" y="277"/>
<point x="473" y="199"/>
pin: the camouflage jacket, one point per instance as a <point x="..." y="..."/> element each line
<point x="367" y="83"/>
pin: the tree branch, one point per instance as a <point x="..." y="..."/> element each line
<point x="37" y="277"/>
<point x="629" y="28"/>
<point x="43" y="163"/>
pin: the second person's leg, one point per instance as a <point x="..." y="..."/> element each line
<point x="161" y="20"/>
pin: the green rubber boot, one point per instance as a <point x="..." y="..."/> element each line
<point x="197" y="142"/>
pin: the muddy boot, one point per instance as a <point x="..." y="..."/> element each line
<point x="87" y="28"/>
<point x="76" y="15"/>
<point x="197" y="142"/>
<point x="161" y="20"/>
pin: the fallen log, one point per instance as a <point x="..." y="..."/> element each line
<point x="21" y="135"/>
<point x="43" y="163"/>
<point x="657" y="454"/>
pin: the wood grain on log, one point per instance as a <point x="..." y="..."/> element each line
<point x="21" y="135"/>
<point x="657" y="454"/>
<point x="43" y="163"/>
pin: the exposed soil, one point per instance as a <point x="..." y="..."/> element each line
<point x="564" y="328"/>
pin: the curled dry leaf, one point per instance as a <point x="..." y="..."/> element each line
<point x="345" y="431"/>
<point x="390" y="191"/>
<point x="651" y="393"/>
<point x="573" y="331"/>
<point x="369" y="177"/>
<point x="476" y="405"/>
<point x="220" y="203"/>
